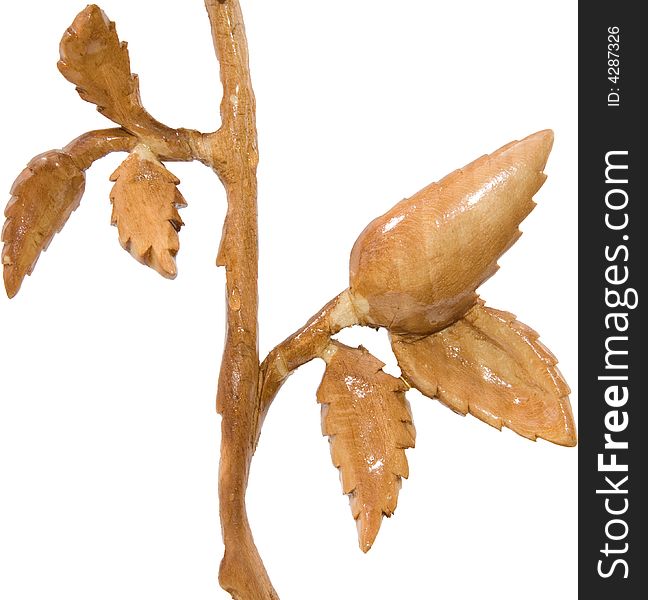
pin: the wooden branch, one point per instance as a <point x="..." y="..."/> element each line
<point x="304" y="345"/>
<point x="95" y="60"/>
<point x="233" y="154"/>
<point x="44" y="196"/>
<point x="94" y="145"/>
<point x="50" y="188"/>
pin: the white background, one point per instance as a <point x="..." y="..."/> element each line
<point x="108" y="435"/>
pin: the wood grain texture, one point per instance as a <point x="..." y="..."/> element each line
<point x="42" y="199"/>
<point x="233" y="153"/>
<point x="93" y="145"/>
<point x="369" y="424"/>
<point x="415" y="269"/>
<point x="145" y="203"/>
<point x="94" y="59"/>
<point x="495" y="368"/>
<point x="301" y="347"/>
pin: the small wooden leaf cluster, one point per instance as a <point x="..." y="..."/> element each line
<point x="415" y="272"/>
<point x="145" y="198"/>
<point x="487" y="364"/>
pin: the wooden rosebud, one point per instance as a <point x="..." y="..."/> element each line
<point x="415" y="269"/>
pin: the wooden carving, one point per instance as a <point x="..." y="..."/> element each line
<point x="369" y="424"/>
<point x="145" y="203"/>
<point x="414" y="271"/>
<point x="42" y="198"/>
<point x="495" y="368"/>
<point x="93" y="59"/>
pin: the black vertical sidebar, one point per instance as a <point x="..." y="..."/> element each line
<point x="613" y="268"/>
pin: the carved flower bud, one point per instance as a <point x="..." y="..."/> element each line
<point x="415" y="269"/>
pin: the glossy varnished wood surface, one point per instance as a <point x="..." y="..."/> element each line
<point x="369" y="424"/>
<point x="415" y="269"/>
<point x="96" y="61"/>
<point x="145" y="201"/>
<point x="42" y="199"/>
<point x="492" y="366"/>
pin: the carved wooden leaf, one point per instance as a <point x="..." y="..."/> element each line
<point x="369" y="423"/>
<point x="42" y="198"/>
<point x="495" y="368"/>
<point x="145" y="203"/>
<point x="93" y="59"/>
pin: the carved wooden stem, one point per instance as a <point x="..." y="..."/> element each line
<point x="235" y="157"/>
<point x="307" y="343"/>
<point x="413" y="270"/>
